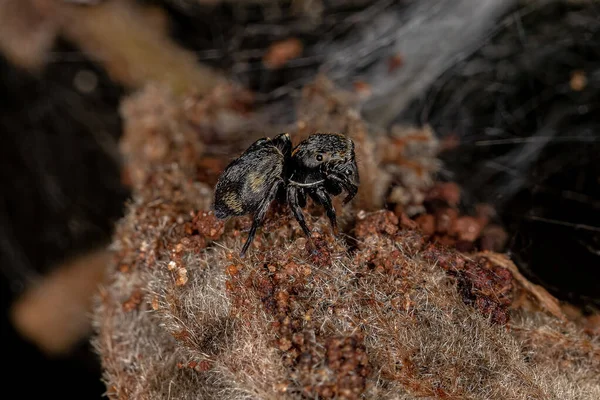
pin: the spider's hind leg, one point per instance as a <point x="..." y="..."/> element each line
<point x="260" y="214"/>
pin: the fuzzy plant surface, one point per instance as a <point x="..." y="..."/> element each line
<point x="379" y="312"/>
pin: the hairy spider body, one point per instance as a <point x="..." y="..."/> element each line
<point x="321" y="166"/>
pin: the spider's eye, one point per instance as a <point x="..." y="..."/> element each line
<point x="348" y="172"/>
<point x="319" y="157"/>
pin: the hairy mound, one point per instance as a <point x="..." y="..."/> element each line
<point x="379" y="312"/>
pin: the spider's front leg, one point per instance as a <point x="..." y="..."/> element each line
<point x="321" y="197"/>
<point x="348" y="187"/>
<point x="293" y="193"/>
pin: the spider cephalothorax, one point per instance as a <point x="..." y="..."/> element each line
<point x="321" y="166"/>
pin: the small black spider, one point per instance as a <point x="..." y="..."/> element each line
<point x="320" y="166"/>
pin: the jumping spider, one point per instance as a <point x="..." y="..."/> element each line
<point x="321" y="166"/>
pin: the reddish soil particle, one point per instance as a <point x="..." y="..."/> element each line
<point x="181" y="277"/>
<point x="204" y="111"/>
<point x="444" y="219"/>
<point x="444" y="224"/>
<point x="592" y="325"/>
<point x="376" y="223"/>
<point x="340" y="365"/>
<point x="466" y="229"/>
<point x="124" y="268"/>
<point x="204" y="366"/>
<point x="362" y="88"/>
<point x="189" y="244"/>
<point x="133" y="302"/>
<point x="318" y="250"/>
<point x="208" y="225"/>
<point x="578" y="80"/>
<point x="382" y="262"/>
<point x="481" y="284"/>
<point x="278" y="216"/>
<point x="394" y="62"/>
<point x="393" y="149"/>
<point x="279" y="53"/>
<point x="243" y="224"/>
<point x="406" y="222"/>
<point x="196" y="243"/>
<point x="154" y="303"/>
<point x="447" y="192"/>
<point x="427" y="224"/>
<point x="232" y="270"/>
<point x="493" y="238"/>
<point x="491" y="286"/>
<point x="183" y="336"/>
<point x="198" y="366"/>
<point x="347" y="356"/>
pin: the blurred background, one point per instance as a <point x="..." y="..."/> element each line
<point x="512" y="88"/>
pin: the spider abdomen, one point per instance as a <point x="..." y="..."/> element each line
<point x="245" y="182"/>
